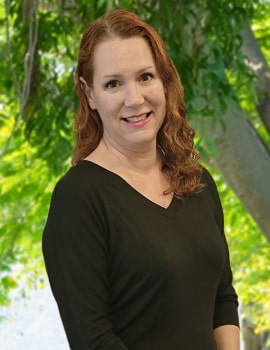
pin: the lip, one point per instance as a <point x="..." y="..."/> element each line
<point x="137" y="118"/>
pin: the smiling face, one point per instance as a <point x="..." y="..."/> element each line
<point x="128" y="93"/>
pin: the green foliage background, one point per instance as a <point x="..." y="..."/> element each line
<point x="36" y="123"/>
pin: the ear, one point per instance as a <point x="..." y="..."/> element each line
<point x="88" y="93"/>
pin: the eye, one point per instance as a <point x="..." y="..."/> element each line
<point x="112" y="84"/>
<point x="146" y="76"/>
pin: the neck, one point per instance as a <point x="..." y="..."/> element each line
<point x="134" y="160"/>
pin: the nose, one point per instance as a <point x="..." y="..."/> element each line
<point x="133" y="96"/>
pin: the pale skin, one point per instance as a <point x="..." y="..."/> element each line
<point x="126" y="85"/>
<point x="129" y="96"/>
<point x="227" y="337"/>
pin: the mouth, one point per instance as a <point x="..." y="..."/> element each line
<point x="137" y="118"/>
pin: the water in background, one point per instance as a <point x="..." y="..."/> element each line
<point x="32" y="323"/>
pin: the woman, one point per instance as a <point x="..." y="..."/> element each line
<point x="134" y="243"/>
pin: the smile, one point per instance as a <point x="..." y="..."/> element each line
<point x="137" y="118"/>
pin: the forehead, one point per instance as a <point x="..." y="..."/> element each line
<point x="117" y="52"/>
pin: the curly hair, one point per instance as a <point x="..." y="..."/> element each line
<point x="175" y="138"/>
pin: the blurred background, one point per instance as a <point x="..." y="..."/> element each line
<point x="221" y="49"/>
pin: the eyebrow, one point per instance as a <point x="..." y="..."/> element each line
<point x="119" y="75"/>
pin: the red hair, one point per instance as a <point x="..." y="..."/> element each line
<point x="175" y="137"/>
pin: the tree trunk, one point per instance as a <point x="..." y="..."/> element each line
<point x="244" y="159"/>
<point x="259" y="66"/>
<point x="252" y="340"/>
<point x="244" y="162"/>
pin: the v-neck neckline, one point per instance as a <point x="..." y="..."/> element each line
<point x="169" y="211"/>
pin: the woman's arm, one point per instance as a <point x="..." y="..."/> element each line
<point x="226" y="319"/>
<point x="76" y="257"/>
<point x="227" y="337"/>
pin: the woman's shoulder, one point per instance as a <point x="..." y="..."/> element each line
<point x="81" y="179"/>
<point x="84" y="173"/>
<point x="210" y="191"/>
<point x="208" y="180"/>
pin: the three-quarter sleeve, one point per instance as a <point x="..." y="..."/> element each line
<point x="75" y="250"/>
<point x="226" y="304"/>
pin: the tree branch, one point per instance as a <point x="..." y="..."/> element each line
<point x="9" y="56"/>
<point x="259" y="65"/>
<point x="23" y="92"/>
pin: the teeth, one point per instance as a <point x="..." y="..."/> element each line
<point x="137" y="119"/>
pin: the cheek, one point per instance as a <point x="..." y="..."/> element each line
<point x="157" y="94"/>
<point x="158" y="98"/>
<point x="107" y="107"/>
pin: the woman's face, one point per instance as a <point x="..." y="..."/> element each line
<point x="128" y="93"/>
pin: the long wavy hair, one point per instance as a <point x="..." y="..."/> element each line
<point x="175" y="138"/>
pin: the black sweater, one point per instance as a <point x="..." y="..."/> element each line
<point x="129" y="274"/>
